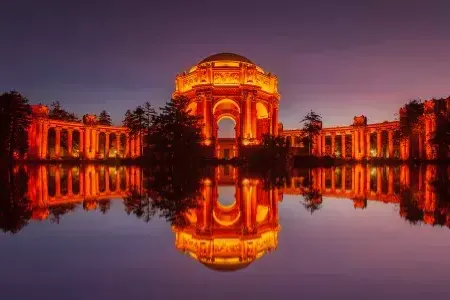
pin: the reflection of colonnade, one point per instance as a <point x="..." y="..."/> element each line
<point x="228" y="237"/>
<point x="55" y="185"/>
<point x="386" y="184"/>
<point x="82" y="139"/>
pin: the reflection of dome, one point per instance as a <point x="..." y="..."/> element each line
<point x="227" y="253"/>
<point x="226" y="57"/>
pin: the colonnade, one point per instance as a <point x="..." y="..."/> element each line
<point x="88" y="134"/>
<point x="360" y="139"/>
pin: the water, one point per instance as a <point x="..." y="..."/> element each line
<point x="349" y="232"/>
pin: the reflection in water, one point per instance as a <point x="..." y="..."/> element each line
<point x="222" y="234"/>
<point x="230" y="237"/>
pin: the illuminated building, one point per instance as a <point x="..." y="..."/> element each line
<point x="228" y="85"/>
<point x="118" y="142"/>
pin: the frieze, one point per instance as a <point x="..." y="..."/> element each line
<point x="226" y="78"/>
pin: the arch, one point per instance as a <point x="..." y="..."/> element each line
<point x="227" y="103"/>
<point x="261" y="111"/>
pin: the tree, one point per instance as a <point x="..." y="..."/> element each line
<point x="441" y="136"/>
<point x="176" y="135"/>
<point x="312" y="124"/>
<point x="139" y="122"/>
<point x="410" y="119"/>
<point x="104" y="118"/>
<point x="15" y="118"/>
<point x="58" y="113"/>
<point x="15" y="206"/>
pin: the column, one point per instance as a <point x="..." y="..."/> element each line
<point x="356" y="133"/>
<point x="368" y="145"/>
<point x="138" y="145"/>
<point x="353" y="144"/>
<point x="362" y="143"/>
<point x="206" y="118"/>
<point x="107" y="144"/>
<point x="69" y="141"/>
<point x="58" y="142"/>
<point x="82" y="152"/>
<point x="132" y="147"/>
<point x="127" y="145"/>
<point x="275" y="120"/>
<point x="44" y="141"/>
<point x="343" y="170"/>
<point x="87" y="143"/>
<point x="343" y="145"/>
<point x="253" y="120"/>
<point x="324" y="149"/>
<point x="107" y="180"/>
<point x="391" y="144"/>
<point x="333" y="144"/>
<point x="379" y="147"/>
<point x="118" y="145"/>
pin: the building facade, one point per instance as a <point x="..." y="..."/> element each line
<point x="228" y="85"/>
<point x="86" y="139"/>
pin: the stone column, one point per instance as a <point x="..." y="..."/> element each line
<point x="324" y="148"/>
<point x="368" y="145"/>
<point x="58" y="141"/>
<point x="275" y="120"/>
<point x="356" y="133"/>
<point x="132" y="147"/>
<point x="353" y="144"/>
<point x="69" y="141"/>
<point x="379" y="147"/>
<point x="44" y="141"/>
<point x="138" y="145"/>
<point x="333" y="144"/>
<point x="107" y="144"/>
<point x="391" y="143"/>
<point x="362" y="144"/>
<point x="118" y="145"/>
<point x="253" y="119"/>
<point x="87" y="143"/>
<point x="343" y="145"/>
<point x="127" y="145"/>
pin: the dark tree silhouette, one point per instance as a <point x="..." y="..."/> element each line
<point x="312" y="124"/>
<point x="15" y="114"/>
<point x="410" y="122"/>
<point x="15" y="207"/>
<point x="104" y="118"/>
<point x="58" y="113"/>
<point x="175" y="135"/>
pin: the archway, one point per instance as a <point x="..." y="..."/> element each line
<point x="226" y="133"/>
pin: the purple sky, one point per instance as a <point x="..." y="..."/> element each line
<point x="339" y="58"/>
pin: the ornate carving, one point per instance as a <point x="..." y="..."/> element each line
<point x="251" y="74"/>
<point x="40" y="110"/>
<point x="202" y="75"/>
<point x="89" y="119"/>
<point x="360" y="121"/>
<point x="226" y="77"/>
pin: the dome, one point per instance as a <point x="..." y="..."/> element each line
<point x="226" y="57"/>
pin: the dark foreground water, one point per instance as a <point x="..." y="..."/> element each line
<point x="108" y="233"/>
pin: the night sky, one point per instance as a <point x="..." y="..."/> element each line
<point x="339" y="58"/>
